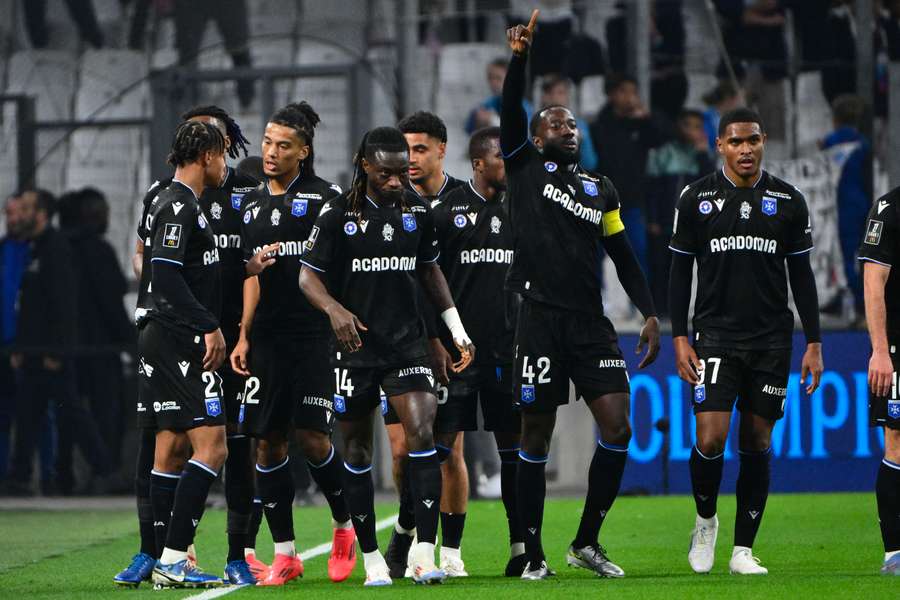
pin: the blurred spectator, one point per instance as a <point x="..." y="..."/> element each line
<point x="13" y="258"/>
<point x="670" y="168"/>
<point x="81" y="11"/>
<point x="550" y="50"/>
<point x="668" y="82"/>
<point x="104" y="330"/>
<point x="854" y="191"/>
<point x="719" y="100"/>
<point x="230" y="16"/>
<point x="487" y="114"/>
<point x="556" y="90"/>
<point x="45" y="333"/>
<point x="625" y="132"/>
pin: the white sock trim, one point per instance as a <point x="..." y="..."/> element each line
<point x="400" y="530"/>
<point x="373" y="559"/>
<point x="285" y="548"/>
<point x="262" y="469"/>
<point x="713" y="521"/>
<point x="170" y="557"/>
<point x="516" y="549"/>
<point x="451" y="553"/>
<point x="738" y="549"/>
<point x="889" y="555"/>
<point x="348" y="524"/>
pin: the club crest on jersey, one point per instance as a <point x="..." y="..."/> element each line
<point x="527" y="394"/>
<point x="388" y="232"/>
<point x="459" y="221"/>
<point x="201" y="221"/>
<point x="745" y="210"/>
<point x="213" y="406"/>
<point x="769" y="205"/>
<point x="550" y="166"/>
<point x="276" y="217"/>
<point x="236" y="201"/>
<point x="350" y="228"/>
<point x="893" y="409"/>
<point x="699" y="393"/>
<point x="299" y="207"/>
<point x="339" y="404"/>
<point x="495" y="224"/>
<point x="215" y="210"/>
<point x="705" y="207"/>
<point x="409" y="222"/>
<point x="172" y="235"/>
<point x="590" y="188"/>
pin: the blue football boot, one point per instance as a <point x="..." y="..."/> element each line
<point x="182" y="574"/>
<point x="891" y="566"/>
<point x="139" y="570"/>
<point x="237" y="572"/>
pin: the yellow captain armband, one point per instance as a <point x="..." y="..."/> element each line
<point x="612" y="223"/>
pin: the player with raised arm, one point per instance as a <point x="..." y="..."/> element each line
<point x="373" y="245"/>
<point x="561" y="216"/>
<point x="220" y="206"/>
<point x="742" y="226"/>
<point x="880" y="251"/>
<point x="283" y="345"/>
<point x="181" y="346"/>
<point x="426" y="135"/>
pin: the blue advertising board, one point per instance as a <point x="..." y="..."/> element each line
<point x="823" y="443"/>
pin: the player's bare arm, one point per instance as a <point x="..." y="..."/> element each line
<point x="242" y="348"/>
<point x="345" y="324"/>
<point x="435" y="286"/>
<point x="881" y="370"/>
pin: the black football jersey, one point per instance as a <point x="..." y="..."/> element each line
<point x="881" y="244"/>
<point x="450" y="184"/>
<point x="181" y="235"/>
<point x="287" y="218"/>
<point x="370" y="264"/>
<point x="740" y="238"/>
<point x="222" y="208"/>
<point x="559" y="216"/>
<point x="476" y="245"/>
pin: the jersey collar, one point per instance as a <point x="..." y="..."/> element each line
<point x="372" y="202"/>
<point x="227" y="175"/>
<point x="287" y="189"/>
<point x="440" y="191"/>
<point x="755" y="183"/>
<point x="186" y="186"/>
<point x="474" y="191"/>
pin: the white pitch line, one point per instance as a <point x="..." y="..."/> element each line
<point x="305" y="555"/>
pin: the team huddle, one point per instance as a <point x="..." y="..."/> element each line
<point x="274" y="311"/>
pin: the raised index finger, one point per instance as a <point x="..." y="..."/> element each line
<point x="533" y="21"/>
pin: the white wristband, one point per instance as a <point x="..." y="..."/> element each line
<point x="454" y="324"/>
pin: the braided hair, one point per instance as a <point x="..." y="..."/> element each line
<point x="232" y="129"/>
<point x="300" y="117"/>
<point x="384" y="139"/>
<point x="192" y="139"/>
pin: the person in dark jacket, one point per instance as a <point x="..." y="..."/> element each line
<point x="46" y="332"/>
<point x="623" y="133"/>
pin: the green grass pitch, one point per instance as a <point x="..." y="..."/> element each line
<point x="815" y="546"/>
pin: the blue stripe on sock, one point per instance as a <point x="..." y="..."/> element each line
<point x="533" y="458"/>
<point x="324" y="462"/>
<point x="358" y="470"/>
<point x="613" y="447"/>
<point x="423" y="453"/>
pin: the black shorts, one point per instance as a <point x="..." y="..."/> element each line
<point x="756" y="378"/>
<point x="290" y="386"/>
<point x="491" y="387"/>
<point x="884" y="411"/>
<point x="361" y="389"/>
<point x="553" y="346"/>
<point x="174" y="386"/>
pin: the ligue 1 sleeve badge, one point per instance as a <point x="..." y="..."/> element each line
<point x="705" y="207"/>
<point x="459" y="221"/>
<point x="350" y="228"/>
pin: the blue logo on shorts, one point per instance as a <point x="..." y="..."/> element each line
<point x="705" y="207"/>
<point x="590" y="188"/>
<point x="298" y="207"/>
<point x="349" y="227"/>
<point x="339" y="404"/>
<point x="241" y="413"/>
<point x="769" y="205"/>
<point x="213" y="407"/>
<point x="384" y="405"/>
<point x="699" y="393"/>
<point x="236" y="201"/>
<point x="894" y="409"/>
<point x="409" y="222"/>
<point x="527" y="394"/>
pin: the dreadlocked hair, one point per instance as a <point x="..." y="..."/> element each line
<point x="384" y="139"/>
<point x="301" y="117"/>
<point x="192" y="139"/>
<point x="232" y="129"/>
